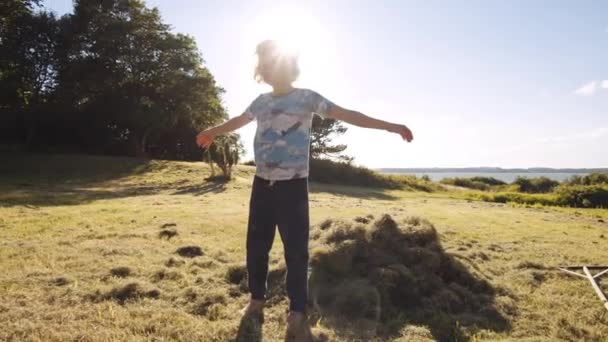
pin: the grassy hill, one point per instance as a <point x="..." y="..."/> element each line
<point x="107" y="248"/>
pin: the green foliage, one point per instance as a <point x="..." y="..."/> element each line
<point x="477" y="183"/>
<point x="109" y="78"/>
<point x="28" y="65"/>
<point x="535" y="185"/>
<point x="595" y="178"/>
<point x="516" y="197"/>
<point x="343" y="173"/>
<point x="322" y="132"/>
<point x="585" y="196"/>
<point x="224" y="152"/>
<point x="590" y="191"/>
<point x="488" y="180"/>
<point x="580" y="196"/>
<point x="465" y="183"/>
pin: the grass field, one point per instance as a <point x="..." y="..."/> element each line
<point x="89" y="252"/>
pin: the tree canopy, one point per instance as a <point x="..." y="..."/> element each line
<point x="109" y="78"/>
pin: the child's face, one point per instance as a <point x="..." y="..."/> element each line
<point x="274" y="69"/>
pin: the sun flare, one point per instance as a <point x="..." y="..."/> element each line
<point x="297" y="32"/>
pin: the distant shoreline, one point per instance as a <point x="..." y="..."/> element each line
<point x="490" y="170"/>
<point x="506" y="175"/>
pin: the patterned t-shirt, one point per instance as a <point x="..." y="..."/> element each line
<point x="282" y="139"/>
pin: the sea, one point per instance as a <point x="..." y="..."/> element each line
<point x="507" y="177"/>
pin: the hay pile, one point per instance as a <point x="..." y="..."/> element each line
<point x="378" y="276"/>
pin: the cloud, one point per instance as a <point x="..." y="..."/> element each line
<point x="605" y="84"/>
<point x="588" y="89"/>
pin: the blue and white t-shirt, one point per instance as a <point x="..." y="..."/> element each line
<point x="282" y="139"/>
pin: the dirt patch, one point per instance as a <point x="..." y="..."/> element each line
<point x="126" y="293"/>
<point x="60" y="281"/>
<point x="189" y="251"/>
<point x="208" y="305"/>
<point x="120" y="272"/>
<point x="167" y="234"/>
<point x="236" y="274"/>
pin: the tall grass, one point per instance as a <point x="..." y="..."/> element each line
<point x="595" y="178"/>
<point x="477" y="183"/>
<point x="590" y="191"/>
<point x="540" y="185"/>
<point x="327" y="171"/>
<point x="579" y="196"/>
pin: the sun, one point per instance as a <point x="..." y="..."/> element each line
<point x="297" y="32"/>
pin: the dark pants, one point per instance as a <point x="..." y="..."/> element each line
<point x="283" y="204"/>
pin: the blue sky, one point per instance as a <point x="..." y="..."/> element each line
<point x="480" y="83"/>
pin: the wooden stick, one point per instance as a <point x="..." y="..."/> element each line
<point x="596" y="287"/>
<point x="573" y="273"/>
<point x="589" y="267"/>
<point x="600" y="274"/>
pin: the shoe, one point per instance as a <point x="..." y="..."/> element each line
<point x="254" y="309"/>
<point x="298" y="329"/>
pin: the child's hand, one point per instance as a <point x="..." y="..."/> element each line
<point x="405" y="132"/>
<point x="204" y="139"/>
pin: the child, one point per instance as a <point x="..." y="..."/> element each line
<point x="280" y="187"/>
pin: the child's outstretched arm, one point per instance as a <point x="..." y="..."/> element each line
<point x="205" y="138"/>
<point x="362" y="120"/>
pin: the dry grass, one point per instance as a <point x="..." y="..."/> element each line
<point x="373" y="279"/>
<point x="84" y="257"/>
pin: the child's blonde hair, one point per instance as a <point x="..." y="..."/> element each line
<point x="271" y="55"/>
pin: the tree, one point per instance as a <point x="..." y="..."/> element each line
<point x="224" y="152"/>
<point x="28" y="43"/>
<point x="109" y="78"/>
<point x="322" y="133"/>
<point x="133" y="77"/>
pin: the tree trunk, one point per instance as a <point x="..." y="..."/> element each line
<point x="140" y="145"/>
<point x="210" y="161"/>
<point x="29" y="138"/>
<point x="226" y="170"/>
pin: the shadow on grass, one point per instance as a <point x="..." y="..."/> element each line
<point x="250" y="330"/>
<point x="211" y="186"/>
<point x="38" y="196"/>
<point x="348" y="191"/>
<point x="375" y="280"/>
<point x="52" y="180"/>
<point x="35" y="169"/>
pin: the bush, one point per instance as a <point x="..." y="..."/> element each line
<point x="466" y="183"/>
<point x="585" y="196"/>
<point x="343" y="173"/>
<point x="595" y="178"/>
<point x="477" y="183"/>
<point x="581" y="196"/>
<point x="488" y="180"/>
<point x="517" y="197"/>
<point x="535" y="185"/>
